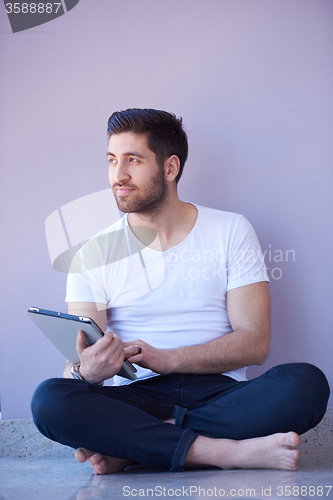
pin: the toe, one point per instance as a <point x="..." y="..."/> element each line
<point x="99" y="468"/>
<point x="293" y="439"/>
<point x="95" y="459"/>
<point x="81" y="455"/>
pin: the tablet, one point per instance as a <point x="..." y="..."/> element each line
<point x="62" y="330"/>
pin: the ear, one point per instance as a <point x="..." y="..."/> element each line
<point x="171" y="168"/>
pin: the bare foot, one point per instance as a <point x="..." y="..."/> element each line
<point x="268" y="452"/>
<point x="101" y="464"/>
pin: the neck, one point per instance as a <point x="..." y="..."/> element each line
<point x="173" y="222"/>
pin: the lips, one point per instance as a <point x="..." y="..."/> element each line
<point x="123" y="190"/>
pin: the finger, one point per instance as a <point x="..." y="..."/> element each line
<point x="106" y="340"/>
<point x="133" y="350"/>
<point x="109" y="335"/>
<point x="112" y="347"/>
<point x="133" y="342"/>
<point x="81" y="342"/>
<point x="136" y="358"/>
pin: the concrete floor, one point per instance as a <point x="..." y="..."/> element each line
<point x="62" y="478"/>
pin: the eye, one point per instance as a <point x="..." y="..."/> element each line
<point x="133" y="160"/>
<point x="112" y="161"/>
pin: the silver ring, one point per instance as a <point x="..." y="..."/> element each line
<point x="140" y="350"/>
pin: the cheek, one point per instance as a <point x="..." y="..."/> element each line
<point x="110" y="176"/>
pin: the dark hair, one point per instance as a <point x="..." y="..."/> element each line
<point x="164" y="131"/>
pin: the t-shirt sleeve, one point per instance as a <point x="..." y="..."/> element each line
<point x="86" y="280"/>
<point x="245" y="260"/>
<point x="86" y="285"/>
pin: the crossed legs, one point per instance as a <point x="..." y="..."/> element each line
<point x="205" y="434"/>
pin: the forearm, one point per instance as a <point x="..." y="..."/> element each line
<point x="235" y="350"/>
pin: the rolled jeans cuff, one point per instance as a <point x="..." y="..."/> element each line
<point x="184" y="444"/>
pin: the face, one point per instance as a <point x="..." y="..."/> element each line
<point x="136" y="179"/>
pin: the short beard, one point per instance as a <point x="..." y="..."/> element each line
<point x="151" y="202"/>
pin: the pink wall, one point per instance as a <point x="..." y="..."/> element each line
<point x="252" y="79"/>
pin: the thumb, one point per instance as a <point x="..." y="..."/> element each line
<point x="81" y="342"/>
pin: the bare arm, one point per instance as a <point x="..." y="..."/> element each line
<point x="248" y="343"/>
<point x="105" y="357"/>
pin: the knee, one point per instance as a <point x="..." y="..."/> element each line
<point x="316" y="383"/>
<point x="46" y="402"/>
<point x="310" y="384"/>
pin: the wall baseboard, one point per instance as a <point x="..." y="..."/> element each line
<point x="20" y="438"/>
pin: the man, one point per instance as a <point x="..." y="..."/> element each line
<point x="190" y="336"/>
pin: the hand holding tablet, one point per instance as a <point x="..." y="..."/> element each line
<point x="62" y="329"/>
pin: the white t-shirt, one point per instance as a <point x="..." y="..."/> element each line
<point x="173" y="298"/>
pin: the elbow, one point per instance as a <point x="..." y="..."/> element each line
<point x="261" y="360"/>
<point x="262" y="350"/>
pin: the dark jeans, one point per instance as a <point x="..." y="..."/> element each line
<point x="127" y="422"/>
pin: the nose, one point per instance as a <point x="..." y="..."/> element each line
<point x="119" y="173"/>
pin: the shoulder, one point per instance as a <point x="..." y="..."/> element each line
<point x="214" y="215"/>
<point x="224" y="226"/>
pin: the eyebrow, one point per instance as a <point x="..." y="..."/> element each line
<point x="133" y="153"/>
